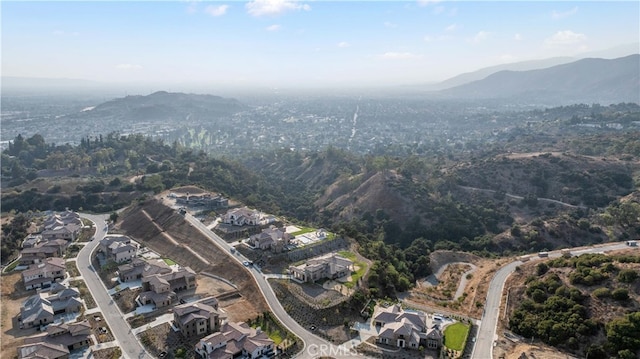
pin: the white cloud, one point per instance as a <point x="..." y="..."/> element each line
<point x="390" y="25"/>
<point x="427" y="2"/>
<point x="517" y="37"/>
<point x="344" y="44"/>
<point x="128" y="67"/>
<point x="274" y="7"/>
<point x="565" y="37"/>
<point x="557" y="15"/>
<point x="216" y="10"/>
<point x="400" y="55"/>
<point x="480" y="37"/>
<point x="193" y="7"/>
<point x="451" y="27"/>
<point x="274" y="27"/>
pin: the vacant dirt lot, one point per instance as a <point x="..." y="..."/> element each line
<point x="13" y="294"/>
<point x="476" y="288"/>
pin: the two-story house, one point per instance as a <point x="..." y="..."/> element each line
<point x="139" y="268"/>
<point x="198" y="318"/>
<point x="118" y="248"/>
<point x="63" y="225"/>
<point x="160" y="289"/>
<point x="40" y="309"/>
<point x="329" y="266"/>
<point x="70" y="335"/>
<point x="237" y="341"/>
<point x="42" y="275"/>
<point x="405" y="329"/>
<point x="271" y="238"/>
<point x="243" y="217"/>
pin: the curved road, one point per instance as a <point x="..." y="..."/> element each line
<point x="314" y="346"/>
<point x="487" y="332"/>
<point x="120" y="329"/>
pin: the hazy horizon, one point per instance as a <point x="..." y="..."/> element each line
<point x="283" y="43"/>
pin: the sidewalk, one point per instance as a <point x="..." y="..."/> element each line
<point x="165" y="318"/>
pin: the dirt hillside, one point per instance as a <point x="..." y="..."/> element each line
<point x="137" y="225"/>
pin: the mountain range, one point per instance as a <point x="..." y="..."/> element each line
<point x="586" y="80"/>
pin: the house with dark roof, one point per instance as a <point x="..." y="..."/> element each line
<point x="70" y="335"/>
<point x="42" y="350"/>
<point x="405" y="329"/>
<point x="236" y="340"/>
<point x="39" y="309"/>
<point x="42" y="275"/>
<point x="199" y="318"/>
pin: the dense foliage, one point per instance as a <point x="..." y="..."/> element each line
<point x="558" y="313"/>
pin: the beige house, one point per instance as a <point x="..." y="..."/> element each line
<point x="160" y="289"/>
<point x="244" y="217"/>
<point x="118" y="248"/>
<point x="237" y="341"/>
<point x="198" y="318"/>
<point x="43" y="350"/>
<point x="271" y="238"/>
<point x="71" y="336"/>
<point x="42" y="275"/>
<point x="139" y="268"/>
<point x="405" y="329"/>
<point x="330" y="266"/>
<point x="40" y="309"/>
<point x="63" y="225"/>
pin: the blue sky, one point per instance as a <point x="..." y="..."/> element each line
<point x="293" y="43"/>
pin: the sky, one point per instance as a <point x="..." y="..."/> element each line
<point x="280" y="43"/>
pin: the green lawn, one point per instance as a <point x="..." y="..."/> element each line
<point x="303" y="230"/>
<point x="455" y="336"/>
<point x="362" y="268"/>
<point x="169" y="261"/>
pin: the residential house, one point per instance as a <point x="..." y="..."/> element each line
<point x="236" y="340"/>
<point x="31" y="241"/>
<point x="70" y="335"/>
<point x="139" y="268"/>
<point x="405" y="329"/>
<point x="42" y="275"/>
<point x="43" y="350"/>
<point x="244" y="217"/>
<point x="198" y="318"/>
<point x="63" y="225"/>
<point x="160" y="289"/>
<point x="37" y="254"/>
<point x="118" y="248"/>
<point x="271" y="238"/>
<point x="329" y="266"/>
<point x="40" y="309"/>
<point x="204" y="200"/>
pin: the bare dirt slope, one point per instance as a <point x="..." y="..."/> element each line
<point x="137" y="225"/>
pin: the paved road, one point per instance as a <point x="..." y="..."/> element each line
<point x="489" y="324"/>
<point x="314" y="346"/>
<point x="130" y="346"/>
